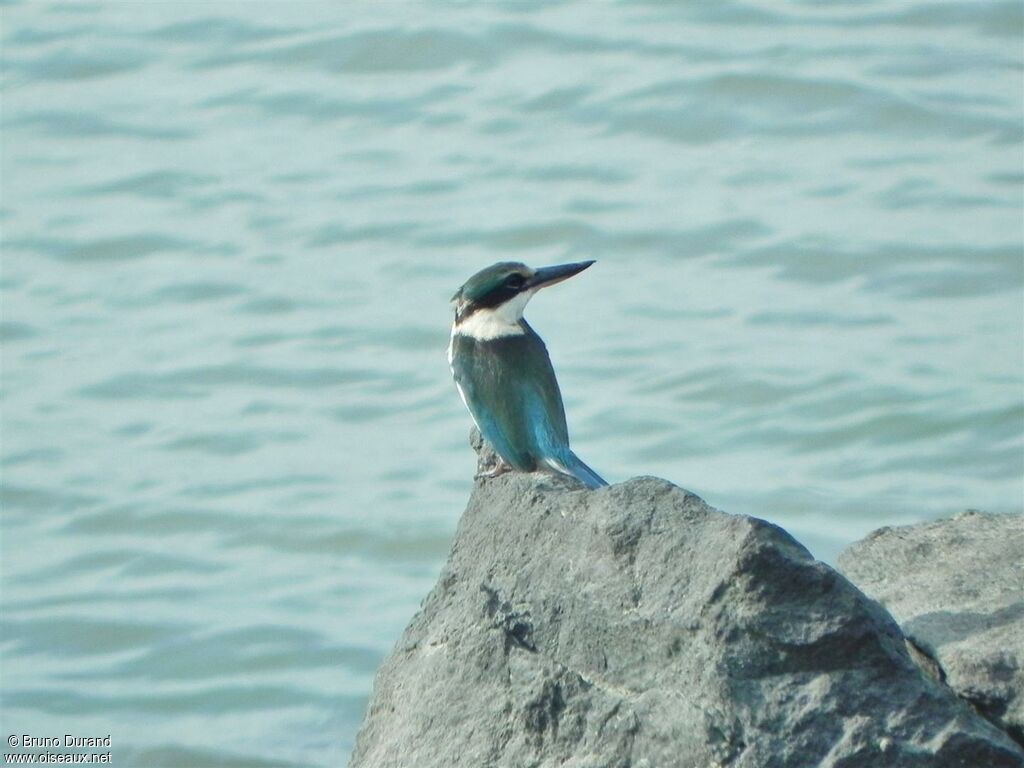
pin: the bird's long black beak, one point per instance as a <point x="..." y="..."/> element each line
<point x="546" y="276"/>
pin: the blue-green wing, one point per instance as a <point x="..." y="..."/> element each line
<point x="509" y="386"/>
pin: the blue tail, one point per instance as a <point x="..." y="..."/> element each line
<point x="581" y="471"/>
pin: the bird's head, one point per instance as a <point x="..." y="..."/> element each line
<point x="502" y="290"/>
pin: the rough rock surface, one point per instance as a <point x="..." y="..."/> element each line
<point x="957" y="589"/>
<point x="636" y="627"/>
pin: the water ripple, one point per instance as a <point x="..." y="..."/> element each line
<point x="197" y="382"/>
<point x="195" y="292"/>
<point x="66" y="65"/>
<point x="220" y="30"/>
<point x="177" y="756"/>
<point x="13" y="331"/>
<point x="65" y="124"/>
<point x="105" y="249"/>
<point x="376" y="51"/>
<point x="705" y="110"/>
<point x="80" y="636"/>
<point x="154" y="184"/>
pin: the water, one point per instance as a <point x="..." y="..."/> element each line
<point x="233" y="459"/>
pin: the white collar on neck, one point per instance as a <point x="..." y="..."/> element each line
<point x="495" y="322"/>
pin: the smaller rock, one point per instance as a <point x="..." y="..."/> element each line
<point x="956" y="587"/>
<point x="487" y="459"/>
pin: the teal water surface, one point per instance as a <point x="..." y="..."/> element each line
<point x="233" y="458"/>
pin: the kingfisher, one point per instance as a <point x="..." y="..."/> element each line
<point x="504" y="375"/>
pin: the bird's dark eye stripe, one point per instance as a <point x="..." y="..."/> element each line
<point x="514" y="281"/>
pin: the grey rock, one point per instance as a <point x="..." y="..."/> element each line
<point x="637" y="627"/>
<point x="487" y="459"/>
<point x="956" y="587"/>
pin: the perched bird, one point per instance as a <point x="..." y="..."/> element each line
<point x="503" y="372"/>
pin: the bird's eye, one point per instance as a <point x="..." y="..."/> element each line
<point x="515" y="281"/>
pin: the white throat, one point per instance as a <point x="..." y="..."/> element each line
<point x="495" y="322"/>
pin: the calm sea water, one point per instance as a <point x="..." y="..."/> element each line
<point x="233" y="458"/>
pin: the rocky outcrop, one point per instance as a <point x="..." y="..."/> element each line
<point x="635" y="626"/>
<point x="956" y="587"/>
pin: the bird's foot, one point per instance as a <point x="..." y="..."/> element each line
<point x="499" y="468"/>
<point x="488" y="462"/>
